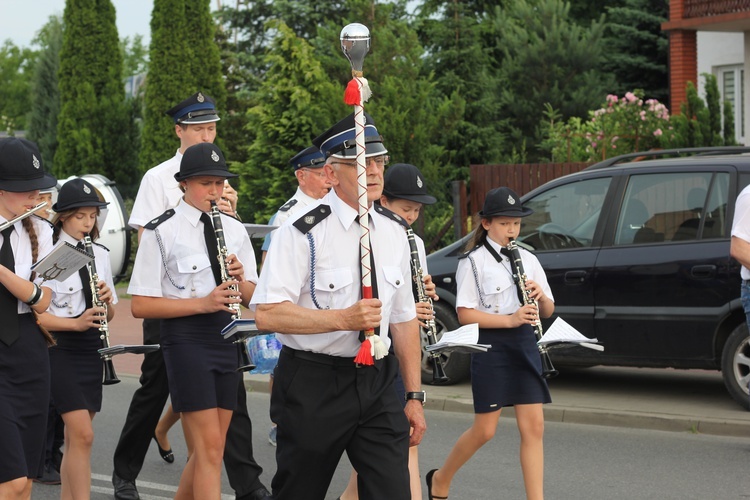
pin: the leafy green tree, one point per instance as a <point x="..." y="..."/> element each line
<point x="134" y="56"/>
<point x="205" y="61"/>
<point x="16" y="72"/>
<point x="729" y="139"/>
<point x="45" y="95"/>
<point x="545" y="57"/>
<point x="95" y="129"/>
<point x="637" y="49"/>
<point x="713" y="105"/>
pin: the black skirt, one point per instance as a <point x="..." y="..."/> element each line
<point x="24" y="400"/>
<point x="510" y="373"/>
<point x="201" y="364"/>
<point x="77" y="371"/>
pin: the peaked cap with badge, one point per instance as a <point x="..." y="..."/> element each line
<point x="339" y="140"/>
<point x="503" y="201"/>
<point x="308" y="158"/>
<point x="21" y="167"/>
<point x="198" y="108"/>
<point x="203" y="159"/>
<point x="404" y="181"/>
<point x="77" y="193"/>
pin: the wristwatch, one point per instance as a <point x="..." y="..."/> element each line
<point x="420" y="396"/>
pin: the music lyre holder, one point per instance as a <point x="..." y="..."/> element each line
<point x="243" y="330"/>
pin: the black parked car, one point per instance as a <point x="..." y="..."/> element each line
<point x="637" y="256"/>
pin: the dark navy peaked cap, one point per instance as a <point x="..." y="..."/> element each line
<point x="339" y="140"/>
<point x="308" y="158"/>
<point x="198" y="108"/>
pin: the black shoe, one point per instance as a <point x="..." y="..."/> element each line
<point x="124" y="489"/>
<point x="49" y="476"/>
<point x="260" y="494"/>
<point x="428" y="480"/>
<point x="166" y="455"/>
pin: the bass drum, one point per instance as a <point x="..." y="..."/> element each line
<point x="114" y="232"/>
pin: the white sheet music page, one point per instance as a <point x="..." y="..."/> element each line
<point x="462" y="339"/>
<point x="561" y="332"/>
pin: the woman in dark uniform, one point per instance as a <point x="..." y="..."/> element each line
<point x="24" y="361"/>
<point x="176" y="277"/>
<point x="510" y="373"/>
<point x="74" y="321"/>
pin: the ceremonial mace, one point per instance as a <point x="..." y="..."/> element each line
<point x="355" y="43"/>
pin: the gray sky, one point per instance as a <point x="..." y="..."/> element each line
<point x="20" y="20"/>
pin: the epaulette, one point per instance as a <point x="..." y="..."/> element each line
<point x="230" y="216"/>
<point x="286" y="206"/>
<point x="311" y="218"/>
<point x="100" y="245"/>
<point x="43" y="219"/>
<point x="391" y="215"/>
<point x="468" y="252"/>
<point x="155" y="222"/>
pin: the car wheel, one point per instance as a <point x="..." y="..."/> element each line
<point x="455" y="365"/>
<point x="735" y="365"/>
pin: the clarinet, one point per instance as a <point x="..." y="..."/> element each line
<point x="519" y="276"/>
<point x="417" y="274"/>
<point x="110" y="377"/>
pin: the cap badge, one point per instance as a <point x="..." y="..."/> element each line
<point x="214" y="156"/>
<point x="200" y="97"/>
<point x="309" y="219"/>
<point x="35" y="161"/>
<point x="419" y="182"/>
<point x="86" y="189"/>
<point x="511" y="201"/>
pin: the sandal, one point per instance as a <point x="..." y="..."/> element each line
<point x="428" y="480"/>
<point x="166" y="455"/>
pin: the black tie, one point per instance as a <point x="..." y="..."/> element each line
<point x="212" y="246"/>
<point x="513" y="268"/>
<point x="86" y="281"/>
<point x="8" y="301"/>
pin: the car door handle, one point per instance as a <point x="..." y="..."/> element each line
<point x="575" y="277"/>
<point x="703" y="272"/>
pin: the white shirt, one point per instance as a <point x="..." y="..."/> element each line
<point x="183" y="248"/>
<point x="21" y="245"/>
<point x="495" y="281"/>
<point x="741" y="223"/>
<point x="286" y="274"/>
<point x="303" y="202"/>
<point x="157" y="192"/>
<point x="68" y="300"/>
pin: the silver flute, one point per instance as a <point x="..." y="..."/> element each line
<point x="110" y="377"/>
<point x="222" y="247"/>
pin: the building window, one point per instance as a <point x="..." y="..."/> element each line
<point x="731" y="83"/>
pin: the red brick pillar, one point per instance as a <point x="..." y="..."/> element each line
<point x="683" y="66"/>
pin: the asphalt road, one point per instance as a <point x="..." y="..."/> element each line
<point x="582" y="461"/>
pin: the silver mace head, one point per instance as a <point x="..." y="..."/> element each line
<point x="355" y="43"/>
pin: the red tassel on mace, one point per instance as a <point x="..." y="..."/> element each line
<point x="364" y="356"/>
<point x="351" y="94"/>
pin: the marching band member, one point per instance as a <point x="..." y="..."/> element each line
<point x="309" y="292"/>
<point x="24" y="359"/>
<point x="510" y="373"/>
<point x="75" y="322"/>
<point x="184" y="288"/>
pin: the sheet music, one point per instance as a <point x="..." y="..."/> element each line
<point x="131" y="349"/>
<point x="463" y="339"/>
<point x="246" y="326"/>
<point x="64" y="260"/>
<point x="561" y="332"/>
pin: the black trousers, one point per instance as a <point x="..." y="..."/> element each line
<point x="324" y="406"/>
<point x="146" y="408"/>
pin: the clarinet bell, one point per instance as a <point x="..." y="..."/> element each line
<point x="438" y="373"/>
<point x="110" y="377"/>
<point x="548" y="371"/>
<point x="244" y="362"/>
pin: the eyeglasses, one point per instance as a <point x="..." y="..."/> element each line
<point x="320" y="174"/>
<point x="380" y="161"/>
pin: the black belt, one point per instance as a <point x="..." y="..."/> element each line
<point x="323" y="359"/>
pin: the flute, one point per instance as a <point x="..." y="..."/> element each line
<point x="7" y="224"/>
<point x="110" y="377"/>
<point x="519" y="276"/>
<point x="417" y="274"/>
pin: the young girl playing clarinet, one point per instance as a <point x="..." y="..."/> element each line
<point x="177" y="277"/>
<point x="75" y="322"/>
<point x="24" y="361"/>
<point x="510" y="373"/>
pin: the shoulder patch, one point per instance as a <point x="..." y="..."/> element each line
<point x="153" y="223"/>
<point x="390" y="215"/>
<point x="286" y="206"/>
<point x="312" y="218"/>
<point x="44" y="220"/>
<point x="468" y="252"/>
<point x="100" y="245"/>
